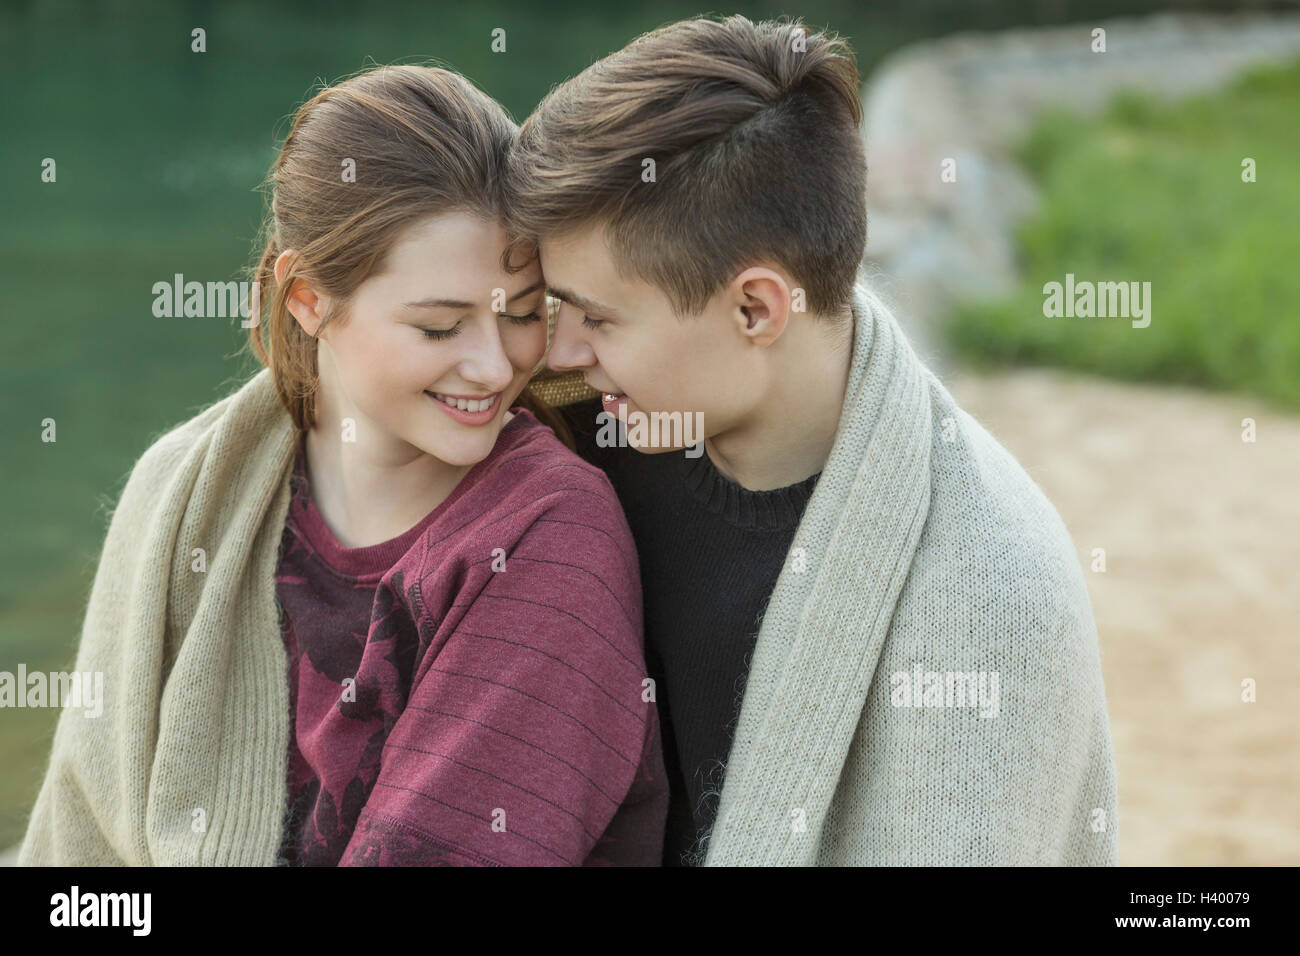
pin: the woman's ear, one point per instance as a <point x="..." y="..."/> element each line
<point x="305" y="304"/>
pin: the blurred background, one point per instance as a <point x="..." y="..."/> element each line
<point x="1005" y="151"/>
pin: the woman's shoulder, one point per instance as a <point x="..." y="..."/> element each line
<point x="541" y="491"/>
<point x="172" y="444"/>
<point x="246" y="424"/>
<point x="536" y="458"/>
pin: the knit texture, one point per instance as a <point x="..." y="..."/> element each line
<point x="924" y="545"/>
<point x="187" y="763"/>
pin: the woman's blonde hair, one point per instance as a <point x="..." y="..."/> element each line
<point x="364" y="159"/>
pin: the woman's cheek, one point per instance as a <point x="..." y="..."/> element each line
<point x="404" y="362"/>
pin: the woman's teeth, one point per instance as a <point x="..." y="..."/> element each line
<point x="465" y="404"/>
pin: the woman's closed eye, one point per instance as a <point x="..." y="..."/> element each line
<point x="591" y="323"/>
<point x="438" y="334"/>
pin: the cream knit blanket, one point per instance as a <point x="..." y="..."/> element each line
<point x="187" y="765"/>
<point x="924" y="550"/>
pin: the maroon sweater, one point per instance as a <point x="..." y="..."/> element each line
<point x="446" y="713"/>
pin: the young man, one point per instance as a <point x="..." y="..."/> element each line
<point x="869" y="632"/>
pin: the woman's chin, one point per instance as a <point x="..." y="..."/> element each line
<point x="462" y="452"/>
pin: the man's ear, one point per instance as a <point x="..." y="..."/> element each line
<point x="304" y="303"/>
<point x="761" y="301"/>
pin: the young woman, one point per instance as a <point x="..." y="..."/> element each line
<point x="415" y="636"/>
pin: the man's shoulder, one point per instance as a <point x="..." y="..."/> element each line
<point x="993" y="543"/>
<point x="978" y="486"/>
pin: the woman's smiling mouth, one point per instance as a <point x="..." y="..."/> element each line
<point x="466" y="410"/>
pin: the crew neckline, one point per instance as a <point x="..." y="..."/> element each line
<point x="374" y="560"/>
<point x="775" y="509"/>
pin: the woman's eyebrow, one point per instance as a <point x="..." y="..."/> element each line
<point x="461" y="304"/>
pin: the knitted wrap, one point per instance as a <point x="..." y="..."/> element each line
<point x="187" y="764"/>
<point x="925" y="548"/>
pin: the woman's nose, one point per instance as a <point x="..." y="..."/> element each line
<point x="486" y="361"/>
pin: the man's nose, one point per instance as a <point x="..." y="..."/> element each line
<point x="568" y="349"/>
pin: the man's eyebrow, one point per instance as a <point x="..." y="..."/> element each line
<point x="460" y="304"/>
<point x="586" y="305"/>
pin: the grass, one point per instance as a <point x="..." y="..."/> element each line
<point x="1153" y="192"/>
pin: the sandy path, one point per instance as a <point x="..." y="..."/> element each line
<point x="1201" y="590"/>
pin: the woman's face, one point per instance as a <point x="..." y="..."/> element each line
<point x="445" y="318"/>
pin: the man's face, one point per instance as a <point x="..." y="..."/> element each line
<point x="623" y="335"/>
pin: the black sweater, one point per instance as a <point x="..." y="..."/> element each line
<point x="710" y="552"/>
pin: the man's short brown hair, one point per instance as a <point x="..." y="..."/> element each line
<point x="753" y="129"/>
